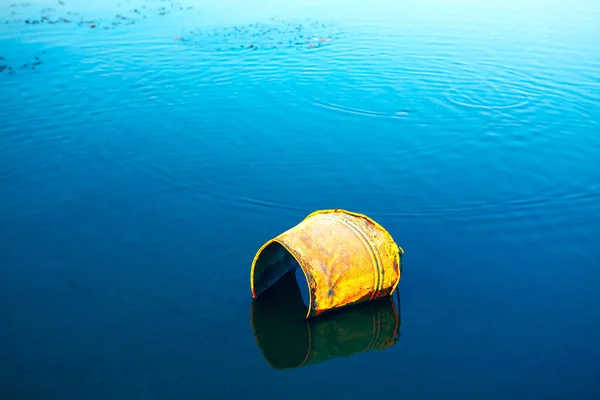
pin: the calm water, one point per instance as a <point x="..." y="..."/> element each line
<point x="145" y="157"/>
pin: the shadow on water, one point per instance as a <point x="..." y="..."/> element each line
<point x="288" y="341"/>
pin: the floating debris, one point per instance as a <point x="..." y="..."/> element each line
<point x="260" y="35"/>
<point x="4" y="66"/>
<point x="334" y="278"/>
<point x="273" y="34"/>
<point x="52" y="16"/>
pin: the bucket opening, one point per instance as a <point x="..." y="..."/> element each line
<point x="273" y="262"/>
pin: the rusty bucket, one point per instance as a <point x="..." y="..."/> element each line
<point x="346" y="258"/>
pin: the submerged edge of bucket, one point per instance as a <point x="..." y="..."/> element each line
<point x="273" y="274"/>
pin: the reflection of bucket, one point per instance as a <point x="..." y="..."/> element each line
<point x="346" y="258"/>
<point x="288" y="340"/>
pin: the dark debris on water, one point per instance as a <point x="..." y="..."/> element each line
<point x="58" y="15"/>
<point x="273" y="34"/>
<point x="309" y="34"/>
<point x="22" y="13"/>
<point x="11" y="70"/>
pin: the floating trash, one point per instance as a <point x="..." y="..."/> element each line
<point x="287" y="340"/>
<point x="272" y="34"/>
<point x="53" y="15"/>
<point x="346" y="258"/>
<point x="11" y="70"/>
<point x="22" y="13"/>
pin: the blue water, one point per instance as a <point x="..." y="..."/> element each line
<point x="143" y="165"/>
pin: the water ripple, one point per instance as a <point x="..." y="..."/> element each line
<point x="463" y="98"/>
<point x="403" y="114"/>
<point x="498" y="207"/>
<point x="357" y="101"/>
<point x="211" y="182"/>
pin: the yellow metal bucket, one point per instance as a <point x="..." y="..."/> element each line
<point x="346" y="258"/>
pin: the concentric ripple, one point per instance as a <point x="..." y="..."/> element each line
<point x="490" y="87"/>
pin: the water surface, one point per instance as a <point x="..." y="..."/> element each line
<point x="146" y="155"/>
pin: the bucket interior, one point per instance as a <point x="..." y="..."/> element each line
<point x="273" y="262"/>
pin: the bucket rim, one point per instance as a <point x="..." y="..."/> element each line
<point x="291" y="253"/>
